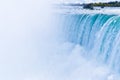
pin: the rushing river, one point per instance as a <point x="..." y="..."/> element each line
<point x="91" y="44"/>
<point x="67" y="43"/>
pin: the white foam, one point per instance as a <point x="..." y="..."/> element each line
<point x="80" y="10"/>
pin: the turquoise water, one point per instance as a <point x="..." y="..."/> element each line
<point x="98" y="34"/>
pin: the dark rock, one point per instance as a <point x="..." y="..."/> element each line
<point x="88" y="6"/>
<point x="102" y="6"/>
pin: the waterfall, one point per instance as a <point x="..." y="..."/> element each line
<point x="98" y="34"/>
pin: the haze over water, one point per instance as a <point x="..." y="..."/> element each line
<point x="31" y="48"/>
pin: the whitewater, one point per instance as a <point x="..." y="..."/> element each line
<point x="40" y="43"/>
<point x="89" y="44"/>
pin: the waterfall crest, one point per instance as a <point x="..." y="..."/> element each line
<point x="98" y="34"/>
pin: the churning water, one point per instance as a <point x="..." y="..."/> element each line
<point x="91" y="46"/>
<point x="76" y="46"/>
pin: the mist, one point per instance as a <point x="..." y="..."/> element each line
<point x="31" y="48"/>
<point x="23" y="27"/>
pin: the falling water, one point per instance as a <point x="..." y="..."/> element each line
<point x="98" y="35"/>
